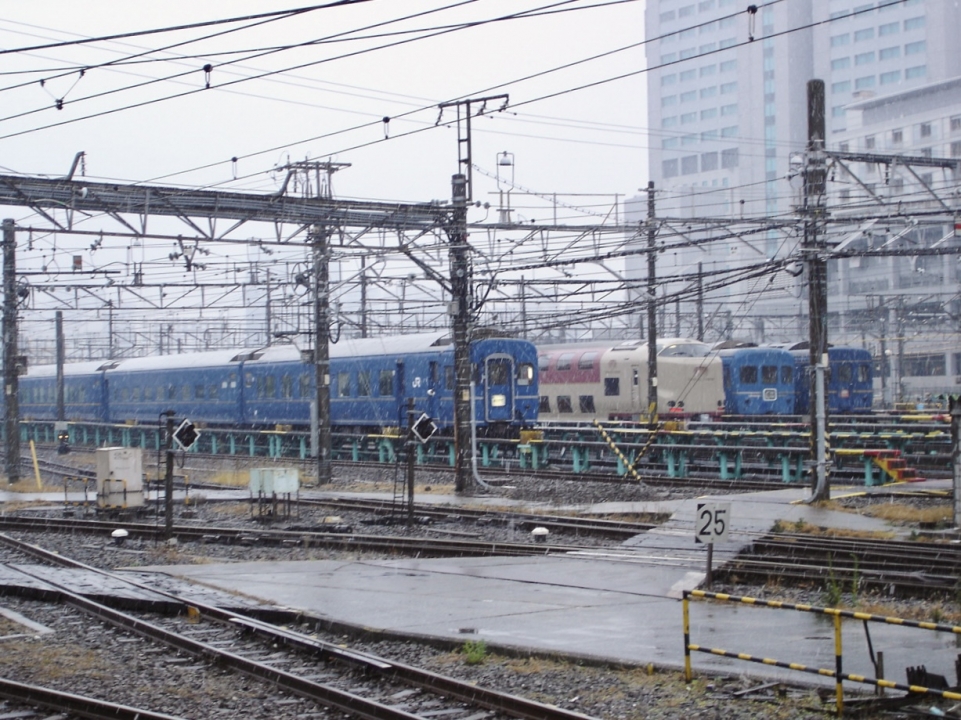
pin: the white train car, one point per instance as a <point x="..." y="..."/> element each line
<point x="583" y="382"/>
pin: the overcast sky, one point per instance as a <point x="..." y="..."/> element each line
<point x="314" y="105"/>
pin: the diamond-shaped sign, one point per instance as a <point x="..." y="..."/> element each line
<point x="424" y="428"/>
<point x="186" y="435"/>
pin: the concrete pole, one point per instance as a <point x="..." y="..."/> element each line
<point x="651" y="307"/>
<point x="318" y="240"/>
<point x="954" y="407"/>
<point x="11" y="370"/>
<point x="460" y="280"/>
<point x="815" y="177"/>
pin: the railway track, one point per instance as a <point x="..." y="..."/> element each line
<point x="906" y="568"/>
<point x="354" y="683"/>
<point x="302" y="537"/>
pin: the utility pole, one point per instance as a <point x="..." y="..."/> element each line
<point x="954" y="408"/>
<point x="169" y="478"/>
<point x="318" y="241"/>
<point x="461" y="285"/>
<point x="11" y="369"/>
<point x="61" y="352"/>
<point x="814" y="247"/>
<point x="460" y="281"/>
<point x="700" y="302"/>
<point x="885" y="363"/>
<point x="651" y="307"/>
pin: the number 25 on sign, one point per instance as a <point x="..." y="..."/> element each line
<point x="713" y="522"/>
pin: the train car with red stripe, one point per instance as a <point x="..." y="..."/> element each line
<point x="604" y="381"/>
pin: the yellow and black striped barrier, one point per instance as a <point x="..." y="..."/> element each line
<point x="617" y="451"/>
<point x="837" y="614"/>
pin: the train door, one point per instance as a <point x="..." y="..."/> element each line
<point x="499" y="388"/>
<point x="400" y="399"/>
<point x="635" y="388"/>
<point x="432" y="394"/>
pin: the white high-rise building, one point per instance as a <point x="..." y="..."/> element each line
<point x="727" y="109"/>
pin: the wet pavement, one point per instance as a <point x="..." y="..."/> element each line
<point x="615" y="603"/>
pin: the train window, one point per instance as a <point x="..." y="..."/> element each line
<point x="564" y="404"/>
<point x="845" y="373"/>
<point x="135" y="394"/>
<point x="545" y="404"/>
<point x="636" y="379"/>
<point x="864" y="372"/>
<point x="449" y="377"/>
<point x="543" y="362"/>
<point x="213" y="391"/>
<point x="124" y="394"/>
<point x="586" y="361"/>
<point x="260" y="387"/>
<point x="385" y="386"/>
<point x="199" y="391"/>
<point x="343" y="384"/>
<point x="363" y="383"/>
<point x="564" y="361"/>
<point x="787" y="375"/>
<point x="248" y="380"/>
<point x="769" y="374"/>
<point x="185" y="392"/>
<point x="270" y="386"/>
<point x="82" y="394"/>
<point x="149" y="393"/>
<point x="232" y="380"/>
<point x="303" y="382"/>
<point x="612" y="386"/>
<point x="749" y="374"/>
<point x="525" y="374"/>
<point x="171" y="392"/>
<point x="286" y="386"/>
<point x="498" y="372"/>
<point x="586" y="403"/>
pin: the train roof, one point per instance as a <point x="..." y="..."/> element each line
<point x="359" y="347"/>
<point x="88" y="367"/>
<point x="215" y="358"/>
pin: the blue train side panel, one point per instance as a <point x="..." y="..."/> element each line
<point x="201" y="386"/>
<point x="849" y="381"/>
<point x="758" y="381"/>
<point x="84" y="396"/>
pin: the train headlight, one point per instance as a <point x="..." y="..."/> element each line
<point x="498" y="400"/>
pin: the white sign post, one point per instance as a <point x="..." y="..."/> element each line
<point x="713" y="521"/>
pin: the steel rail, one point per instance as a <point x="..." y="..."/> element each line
<point x="75" y="704"/>
<point x="381" y="543"/>
<point x="492" y="699"/>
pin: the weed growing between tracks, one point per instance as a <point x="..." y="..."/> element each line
<point x="617" y="692"/>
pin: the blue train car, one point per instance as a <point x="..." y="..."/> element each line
<point x="850" y="380"/>
<point x="370" y="382"/>
<point x="758" y="381"/>
<point x="202" y="386"/>
<point x="83" y="390"/>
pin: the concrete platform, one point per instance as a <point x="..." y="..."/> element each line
<point x="618" y="603"/>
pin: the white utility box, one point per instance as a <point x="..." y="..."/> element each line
<point x="119" y="477"/>
<point x="270" y="481"/>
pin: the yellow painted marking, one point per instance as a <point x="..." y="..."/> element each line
<point x="887" y="683"/>
<point x="894" y="620"/>
<point x="804" y="607"/>
<point x="828" y="673"/>
<point x="797" y="666"/>
<point x="748" y="600"/>
<point x="769" y="661"/>
<point x="776" y="603"/>
<point x="928" y="625"/>
<point x="856" y="678"/>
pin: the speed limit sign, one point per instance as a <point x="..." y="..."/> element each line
<point x="713" y="522"/>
